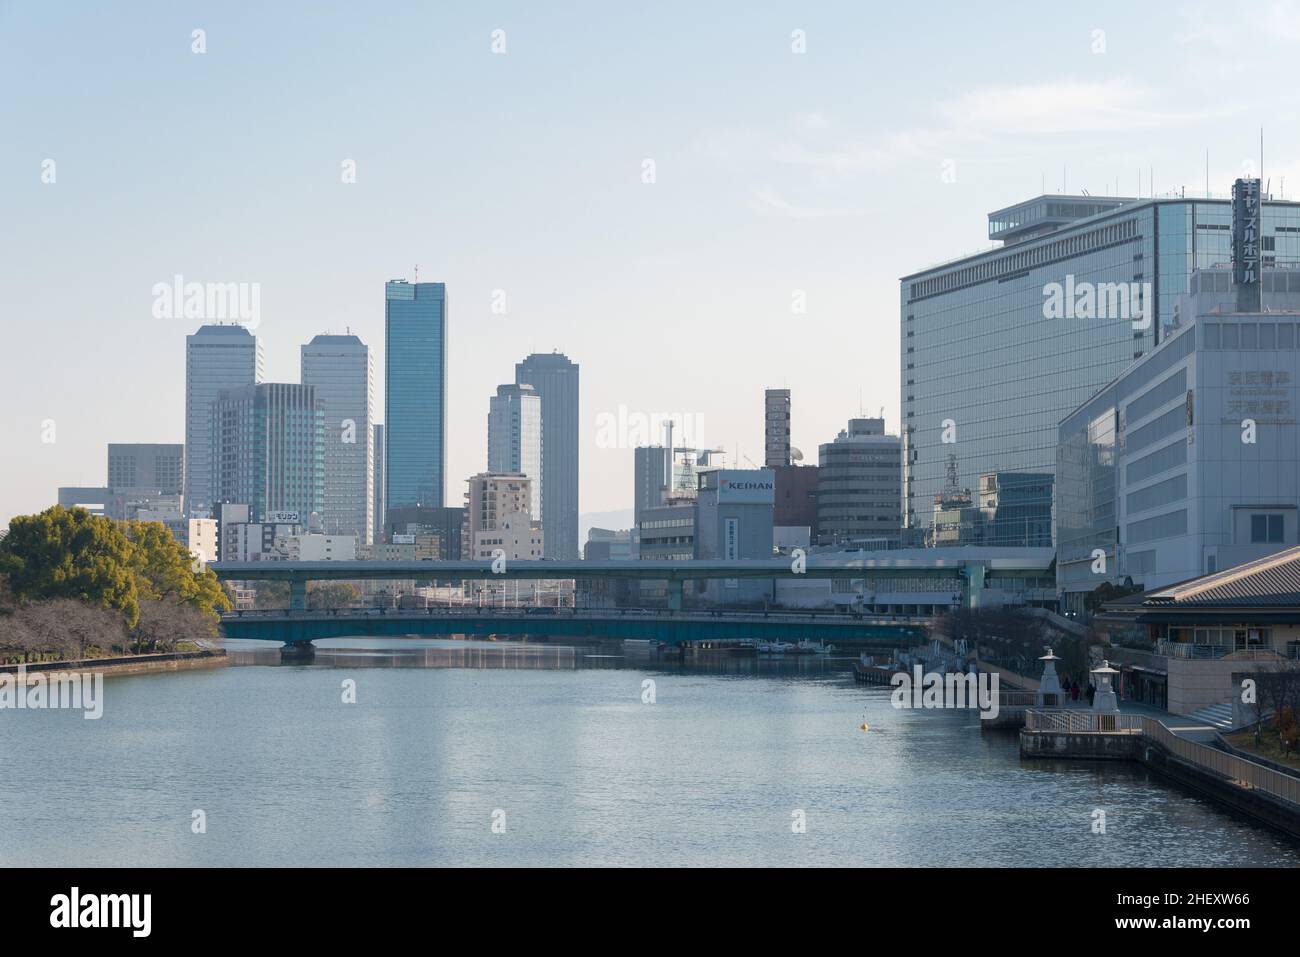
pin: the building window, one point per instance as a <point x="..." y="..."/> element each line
<point x="1265" y="529"/>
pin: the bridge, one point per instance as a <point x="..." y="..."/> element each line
<point x="973" y="567"/>
<point x="294" y="627"/>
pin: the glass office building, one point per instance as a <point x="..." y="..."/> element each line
<point x="986" y="377"/>
<point x="340" y="368"/>
<point x="268" y="449"/>
<point x="415" y="385"/>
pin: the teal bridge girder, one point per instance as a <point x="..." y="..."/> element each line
<point x="297" y="627"/>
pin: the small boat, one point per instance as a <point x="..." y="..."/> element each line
<point x="774" y="647"/>
<point x="813" y="648"/>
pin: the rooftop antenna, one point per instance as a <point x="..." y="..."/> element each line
<point x="417" y="272"/>
<point x="1207" y="172"/>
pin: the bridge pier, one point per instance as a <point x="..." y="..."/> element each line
<point x="297" y="594"/>
<point x="675" y="594"/>
<point x="298" y="652"/>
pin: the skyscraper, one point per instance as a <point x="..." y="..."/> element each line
<point x="776" y="427"/>
<point x="268" y="449"/>
<point x="555" y="378"/>
<point x="415" y="385"/>
<point x="515" y="436"/>
<point x="379" y="510"/>
<point x="340" y="368"/>
<point x="216" y="358"/>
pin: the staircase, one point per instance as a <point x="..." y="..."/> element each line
<point x="1217" y="716"/>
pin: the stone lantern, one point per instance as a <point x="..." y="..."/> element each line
<point x="1104" y="700"/>
<point x="1049" y="684"/>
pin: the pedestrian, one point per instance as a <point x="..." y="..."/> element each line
<point x="1074" y="691"/>
<point x="1092" y="692"/>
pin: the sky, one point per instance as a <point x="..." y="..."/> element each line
<point x="693" y="202"/>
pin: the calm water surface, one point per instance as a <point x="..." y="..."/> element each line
<point x="444" y="734"/>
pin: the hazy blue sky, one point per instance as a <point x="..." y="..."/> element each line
<point x="775" y="172"/>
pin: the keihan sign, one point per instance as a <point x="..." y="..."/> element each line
<point x="754" y="486"/>
<point x="1245" y="232"/>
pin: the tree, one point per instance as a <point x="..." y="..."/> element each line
<point x="165" y="624"/>
<point x="69" y="553"/>
<point x="69" y="628"/>
<point x="271" y="595"/>
<point x="164" y="571"/>
<point x="331" y="595"/>
<point x="1108" y="592"/>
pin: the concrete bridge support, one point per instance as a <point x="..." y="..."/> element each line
<point x="297" y="652"/>
<point x="675" y="594"/>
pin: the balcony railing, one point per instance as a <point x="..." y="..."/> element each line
<point x="1083" y="722"/>
<point x="1187" y="649"/>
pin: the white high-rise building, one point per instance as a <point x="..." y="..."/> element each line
<point x="216" y="358"/>
<point x="341" y="369"/>
<point x="498" y="515"/>
<point x="515" y="437"/>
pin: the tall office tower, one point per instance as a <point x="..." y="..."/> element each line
<point x="415" y="387"/>
<point x="555" y="379"/>
<point x="379" y="511"/>
<point x="515" y="436"/>
<point x="341" y="370"/>
<point x="997" y="348"/>
<point x="216" y="358"/>
<point x="858" y="487"/>
<point x="268" y="450"/>
<point x="776" y="427"/>
<point x="147" y="466"/>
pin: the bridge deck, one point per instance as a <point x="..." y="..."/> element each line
<point x="666" y="626"/>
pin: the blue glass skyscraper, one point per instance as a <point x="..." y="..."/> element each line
<point x="415" y="385"/>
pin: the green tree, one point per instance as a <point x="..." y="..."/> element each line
<point x="69" y="553"/>
<point x="271" y="595"/>
<point x="165" y="571"/>
<point x="331" y="595"/>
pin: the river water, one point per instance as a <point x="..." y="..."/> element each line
<point x="482" y="753"/>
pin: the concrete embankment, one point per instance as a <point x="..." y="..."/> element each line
<point x="1085" y="745"/>
<point x="130" y="664"/>
<point x="1238" y="794"/>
